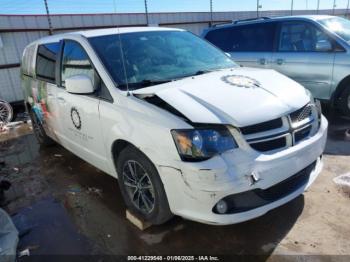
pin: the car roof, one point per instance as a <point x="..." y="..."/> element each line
<point x="108" y="31"/>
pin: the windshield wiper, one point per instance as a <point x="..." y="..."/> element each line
<point x="148" y="82"/>
<point x="143" y="83"/>
<point x="201" y="72"/>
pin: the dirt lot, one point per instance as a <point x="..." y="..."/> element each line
<point x="52" y="183"/>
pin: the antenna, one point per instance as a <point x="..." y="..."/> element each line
<point x="121" y="51"/>
<point x="48" y="17"/>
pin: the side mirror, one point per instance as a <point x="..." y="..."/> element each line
<point x="228" y="54"/>
<point x="323" y="46"/>
<point x="79" y="84"/>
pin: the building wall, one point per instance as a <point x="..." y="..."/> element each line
<point x="17" y="31"/>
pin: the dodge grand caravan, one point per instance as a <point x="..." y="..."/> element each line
<point x="185" y="130"/>
<point x="312" y="50"/>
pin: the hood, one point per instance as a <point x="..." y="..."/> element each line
<point x="211" y="99"/>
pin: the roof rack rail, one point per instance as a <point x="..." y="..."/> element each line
<point x="222" y="23"/>
<point x="251" y="19"/>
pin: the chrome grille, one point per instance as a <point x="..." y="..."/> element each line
<point x="284" y="132"/>
<point x="301" y="114"/>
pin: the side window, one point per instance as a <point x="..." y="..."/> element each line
<point x="219" y="37"/>
<point x="75" y="61"/>
<point x="244" y="38"/>
<point x="300" y="36"/>
<point x="46" y="61"/>
<point x="252" y="38"/>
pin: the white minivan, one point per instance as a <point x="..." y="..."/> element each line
<point x="185" y="130"/>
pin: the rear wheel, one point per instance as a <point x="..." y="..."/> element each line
<point x="39" y="131"/>
<point x="141" y="186"/>
<point x="344" y="102"/>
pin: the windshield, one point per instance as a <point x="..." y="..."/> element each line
<point x="156" y="57"/>
<point x="339" y="26"/>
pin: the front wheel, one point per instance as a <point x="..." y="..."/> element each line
<point x="345" y="102"/>
<point x="141" y="186"/>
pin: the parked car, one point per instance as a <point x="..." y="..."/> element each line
<point x="312" y="50"/>
<point x="185" y="130"/>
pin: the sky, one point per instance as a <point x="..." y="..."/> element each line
<point x="135" y="6"/>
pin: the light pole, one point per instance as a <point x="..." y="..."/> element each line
<point x="318" y="6"/>
<point x="257" y="8"/>
<point x="291" y="8"/>
<point x="48" y="17"/>
<point x="146" y="11"/>
<point x="211" y="12"/>
<point x="334" y="5"/>
<point x="347" y="9"/>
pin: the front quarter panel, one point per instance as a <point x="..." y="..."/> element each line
<point x="144" y="126"/>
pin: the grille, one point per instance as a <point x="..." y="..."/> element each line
<point x="282" y="132"/>
<point x="302" y="134"/>
<point x="262" y="127"/>
<point x="270" y="145"/>
<point x="301" y="114"/>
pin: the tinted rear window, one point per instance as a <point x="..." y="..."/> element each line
<point x="46" y="61"/>
<point x="244" y="38"/>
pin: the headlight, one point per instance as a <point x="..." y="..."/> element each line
<point x="203" y="143"/>
<point x="316" y="103"/>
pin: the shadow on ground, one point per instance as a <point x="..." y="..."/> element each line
<point x="338" y="142"/>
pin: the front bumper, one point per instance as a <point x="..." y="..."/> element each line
<point x="193" y="189"/>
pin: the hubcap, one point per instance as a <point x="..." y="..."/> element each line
<point x="139" y="186"/>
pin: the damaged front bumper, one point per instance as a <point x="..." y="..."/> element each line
<point x="250" y="184"/>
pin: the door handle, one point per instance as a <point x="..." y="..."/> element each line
<point x="280" y="61"/>
<point x="262" y="61"/>
<point x="61" y="99"/>
<point x="50" y="95"/>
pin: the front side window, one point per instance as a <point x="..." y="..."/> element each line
<point x="46" y="61"/>
<point x="75" y="61"/>
<point x="140" y="59"/>
<point x="301" y="37"/>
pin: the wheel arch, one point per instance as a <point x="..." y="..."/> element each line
<point x="345" y="82"/>
<point x="119" y="145"/>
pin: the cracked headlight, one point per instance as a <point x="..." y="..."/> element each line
<point x="203" y="143"/>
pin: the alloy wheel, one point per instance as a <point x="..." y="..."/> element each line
<point x="139" y="186"/>
<point x="37" y="128"/>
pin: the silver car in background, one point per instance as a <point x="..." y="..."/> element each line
<point x="313" y="50"/>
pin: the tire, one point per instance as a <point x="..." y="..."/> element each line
<point x="147" y="187"/>
<point x="39" y="131"/>
<point x="344" y="102"/>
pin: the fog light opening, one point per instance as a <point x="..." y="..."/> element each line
<point x="221" y="207"/>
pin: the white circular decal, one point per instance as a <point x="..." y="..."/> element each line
<point x="74" y="114"/>
<point x="241" y="81"/>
